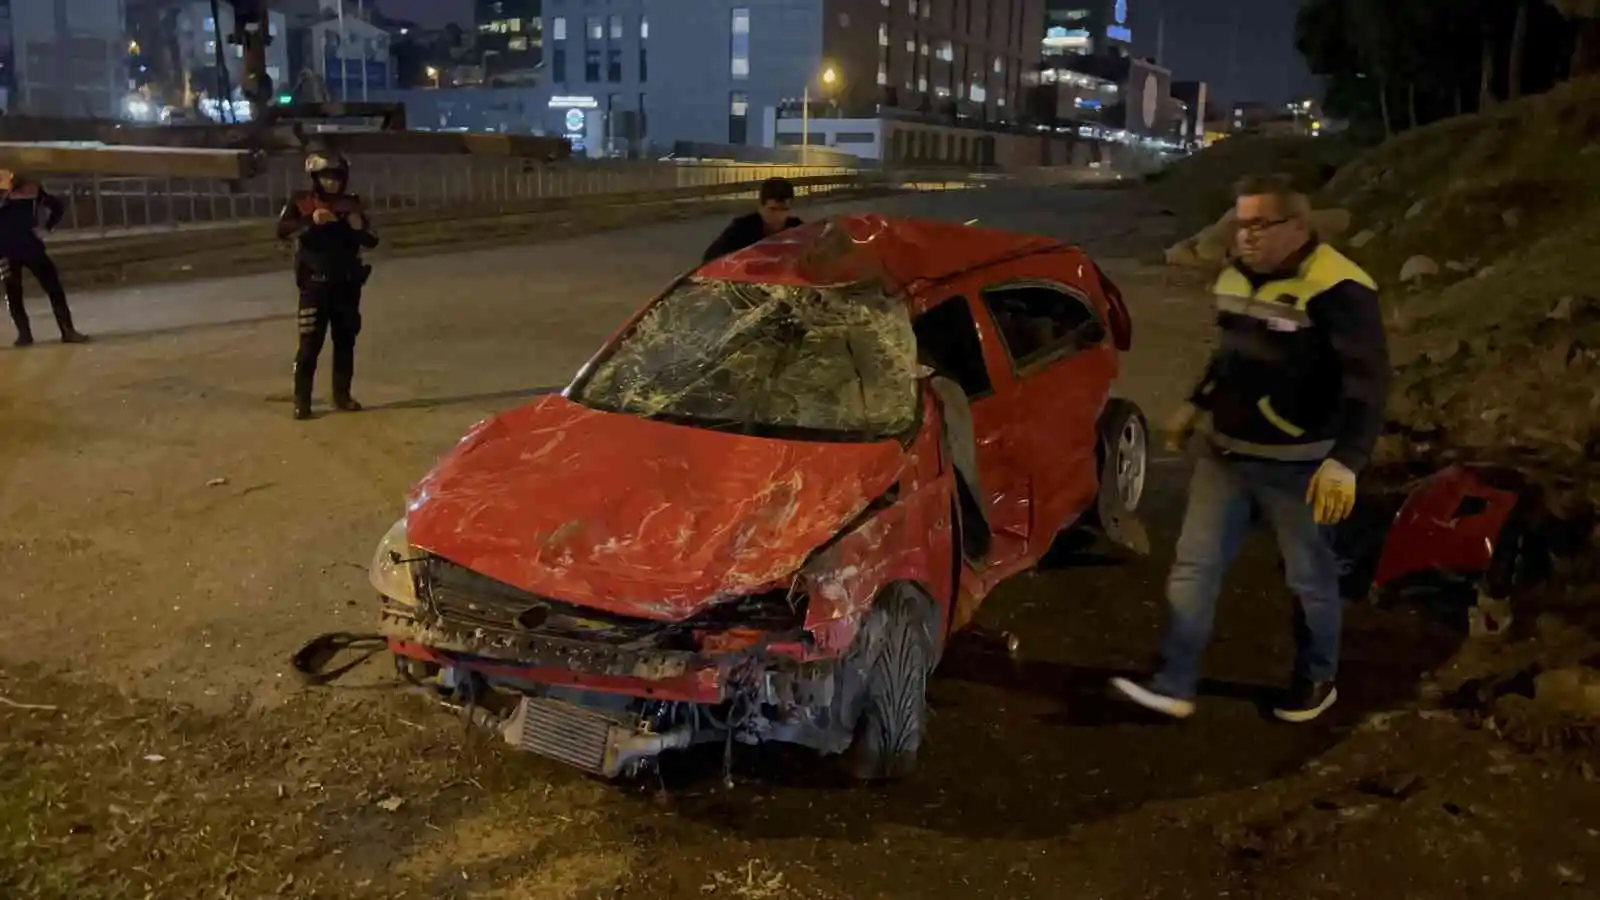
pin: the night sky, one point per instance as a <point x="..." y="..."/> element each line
<point x="1199" y="35"/>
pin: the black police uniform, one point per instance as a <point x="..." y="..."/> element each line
<point x="21" y="248"/>
<point x="330" y="275"/>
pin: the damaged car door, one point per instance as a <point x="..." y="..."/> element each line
<point x="1061" y="367"/>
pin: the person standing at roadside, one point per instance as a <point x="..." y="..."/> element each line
<point x="770" y="217"/>
<point x="1289" y="409"/>
<point x="332" y="229"/>
<point x="23" y="202"/>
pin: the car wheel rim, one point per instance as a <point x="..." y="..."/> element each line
<point x="1130" y="462"/>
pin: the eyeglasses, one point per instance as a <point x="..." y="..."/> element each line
<point x="1257" y="226"/>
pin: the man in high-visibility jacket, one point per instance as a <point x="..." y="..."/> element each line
<point x="1289" y="410"/>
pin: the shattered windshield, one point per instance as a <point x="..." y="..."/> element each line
<point x="839" y="360"/>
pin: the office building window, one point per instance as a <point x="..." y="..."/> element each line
<point x="644" y="57"/>
<point x="614" y="64"/>
<point x="517" y="43"/>
<point x="739" y="48"/>
<point x="883" y="74"/>
<point x="614" y="27"/>
<point x="644" y="119"/>
<point x="644" y="28"/>
<point x="883" y="34"/>
<point x="738" y="117"/>
<point x="947" y="52"/>
<point x="594" y="33"/>
<point x="558" y="54"/>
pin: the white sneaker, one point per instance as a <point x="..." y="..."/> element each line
<point x="1158" y="703"/>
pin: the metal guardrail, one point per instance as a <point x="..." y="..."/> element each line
<point x="104" y="207"/>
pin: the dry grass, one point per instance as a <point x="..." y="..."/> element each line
<point x="328" y="796"/>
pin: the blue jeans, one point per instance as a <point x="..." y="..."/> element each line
<point x="1221" y="497"/>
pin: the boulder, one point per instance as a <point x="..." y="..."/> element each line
<point x="1574" y="691"/>
<point x="1417" y="268"/>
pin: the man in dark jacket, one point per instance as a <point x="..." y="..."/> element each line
<point x="1290" y="408"/>
<point x="777" y="198"/>
<point x="333" y="229"/>
<point x="22" y="203"/>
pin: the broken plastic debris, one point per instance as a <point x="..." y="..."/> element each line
<point x="391" y="804"/>
<point x="217" y="482"/>
<point x="154" y="758"/>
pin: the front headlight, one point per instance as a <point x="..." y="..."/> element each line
<point x="391" y="566"/>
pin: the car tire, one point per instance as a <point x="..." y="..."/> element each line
<point x="886" y="675"/>
<point x="1124" y="455"/>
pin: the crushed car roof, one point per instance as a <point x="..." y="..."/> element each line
<point x="865" y="246"/>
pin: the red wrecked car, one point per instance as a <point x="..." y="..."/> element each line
<point x="762" y="508"/>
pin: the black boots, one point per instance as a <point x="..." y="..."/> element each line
<point x="342" y="400"/>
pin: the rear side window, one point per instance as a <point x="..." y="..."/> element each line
<point x="947" y="341"/>
<point x="1042" y="320"/>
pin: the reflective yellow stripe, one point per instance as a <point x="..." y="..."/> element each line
<point x="1320" y="272"/>
<point x="1278" y="422"/>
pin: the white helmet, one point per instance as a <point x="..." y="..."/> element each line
<point x="326" y="164"/>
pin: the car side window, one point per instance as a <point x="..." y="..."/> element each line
<point x="947" y="342"/>
<point x="1040" y="320"/>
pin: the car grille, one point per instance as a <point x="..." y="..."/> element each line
<point x="463" y="597"/>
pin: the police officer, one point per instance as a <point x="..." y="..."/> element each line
<point x="1290" y="408"/>
<point x="333" y="230"/>
<point x="25" y="207"/>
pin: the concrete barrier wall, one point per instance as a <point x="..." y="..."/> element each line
<point x="105" y="205"/>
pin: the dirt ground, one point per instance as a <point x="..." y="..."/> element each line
<point x="168" y="536"/>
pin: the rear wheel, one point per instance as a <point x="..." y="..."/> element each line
<point x="885" y="678"/>
<point x="1124" y="455"/>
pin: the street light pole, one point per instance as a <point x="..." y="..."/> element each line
<point x="805" y="125"/>
<point x="829" y="77"/>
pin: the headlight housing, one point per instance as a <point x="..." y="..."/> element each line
<point x="391" y="571"/>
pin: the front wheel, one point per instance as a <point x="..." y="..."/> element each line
<point x="885" y="678"/>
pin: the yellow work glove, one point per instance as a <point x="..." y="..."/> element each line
<point x="1180" y="427"/>
<point x="1332" y="494"/>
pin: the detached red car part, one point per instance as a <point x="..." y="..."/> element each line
<point x="1464" y="529"/>
<point x="761" y="509"/>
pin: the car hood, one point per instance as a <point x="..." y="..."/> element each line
<point x="634" y="516"/>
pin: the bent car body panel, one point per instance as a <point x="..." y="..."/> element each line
<point x="634" y="516"/>
<point x="868" y="246"/>
<point x="1450" y="523"/>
